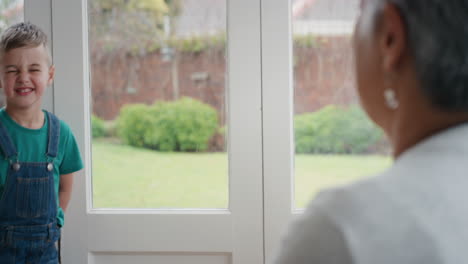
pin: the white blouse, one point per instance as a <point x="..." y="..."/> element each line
<point x="415" y="212"/>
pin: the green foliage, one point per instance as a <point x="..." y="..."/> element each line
<point x="222" y="131"/>
<point x="335" y="130"/>
<point x="126" y="25"/>
<point x="97" y="127"/>
<point x="156" y="6"/>
<point x="183" y="125"/>
<point x="195" y="124"/>
<point x="174" y="6"/>
<point x="163" y="134"/>
<point x="305" y="41"/>
<point x="134" y="124"/>
<point x="218" y="41"/>
<point x="194" y="44"/>
<point x="197" y="44"/>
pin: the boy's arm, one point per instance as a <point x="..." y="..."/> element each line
<point x="65" y="190"/>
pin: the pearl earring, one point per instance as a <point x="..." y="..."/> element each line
<point x="390" y="99"/>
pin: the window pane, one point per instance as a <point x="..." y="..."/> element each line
<point x="11" y="12"/>
<point x="335" y="141"/>
<point x="158" y="103"/>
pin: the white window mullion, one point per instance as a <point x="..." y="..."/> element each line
<point x="245" y="130"/>
<point x="71" y="94"/>
<point x="278" y="134"/>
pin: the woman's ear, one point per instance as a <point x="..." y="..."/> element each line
<point x="392" y="38"/>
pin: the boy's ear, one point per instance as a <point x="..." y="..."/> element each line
<point x="51" y="75"/>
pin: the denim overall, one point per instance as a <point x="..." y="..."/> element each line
<point x="28" y="207"/>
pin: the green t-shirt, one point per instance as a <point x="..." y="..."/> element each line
<point x="31" y="145"/>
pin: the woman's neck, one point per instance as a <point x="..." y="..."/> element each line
<point x="32" y="119"/>
<point x="410" y="129"/>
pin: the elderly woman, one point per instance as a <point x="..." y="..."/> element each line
<point x="412" y="75"/>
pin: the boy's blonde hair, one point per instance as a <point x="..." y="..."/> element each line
<point x="24" y="34"/>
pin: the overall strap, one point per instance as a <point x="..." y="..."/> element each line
<point x="54" y="135"/>
<point x="6" y="144"/>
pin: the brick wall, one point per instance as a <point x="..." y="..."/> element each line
<point x="322" y="75"/>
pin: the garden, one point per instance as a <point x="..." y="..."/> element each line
<point x="159" y="156"/>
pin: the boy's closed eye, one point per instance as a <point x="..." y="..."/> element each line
<point x="11" y="69"/>
<point x="35" y="67"/>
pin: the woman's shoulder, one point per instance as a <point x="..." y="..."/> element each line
<point x="361" y="194"/>
<point x="373" y="214"/>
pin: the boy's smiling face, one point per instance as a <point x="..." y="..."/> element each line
<point x="25" y="74"/>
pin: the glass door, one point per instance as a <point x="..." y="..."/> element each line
<point x="315" y="133"/>
<point x="129" y="75"/>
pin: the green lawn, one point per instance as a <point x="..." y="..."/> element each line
<point x="127" y="177"/>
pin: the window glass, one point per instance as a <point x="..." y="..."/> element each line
<point x="335" y="142"/>
<point x="158" y="103"/>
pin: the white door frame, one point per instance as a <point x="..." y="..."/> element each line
<point x="90" y="233"/>
<point x="278" y="136"/>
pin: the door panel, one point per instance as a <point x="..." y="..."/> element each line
<point x="214" y="236"/>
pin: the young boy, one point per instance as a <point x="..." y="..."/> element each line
<point x="38" y="156"/>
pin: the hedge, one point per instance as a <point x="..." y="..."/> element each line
<point x="335" y="130"/>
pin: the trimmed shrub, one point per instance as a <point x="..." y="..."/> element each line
<point x="196" y="123"/>
<point x="335" y="130"/>
<point x="97" y="127"/>
<point x="134" y="124"/>
<point x="183" y="125"/>
<point x="163" y="135"/>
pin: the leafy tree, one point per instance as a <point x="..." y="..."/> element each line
<point x="129" y="25"/>
<point x="119" y="27"/>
